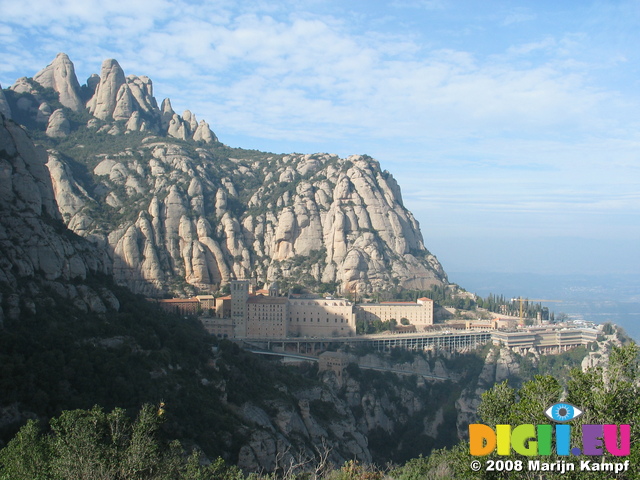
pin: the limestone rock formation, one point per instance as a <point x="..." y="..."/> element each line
<point x="33" y="246"/>
<point x="112" y="98"/>
<point x="131" y="100"/>
<point x="185" y="222"/>
<point x="134" y="123"/>
<point x="183" y="218"/>
<point x="92" y="82"/>
<point x="58" y="125"/>
<point x="190" y="121"/>
<point x="60" y="76"/>
<point x="103" y="102"/>
<point x="338" y="420"/>
<point x="142" y="91"/>
<point x="177" y="128"/>
<point x="29" y="103"/>
<point x="167" y="113"/>
<point x="124" y="105"/>
<point x="499" y="365"/>
<point x="204" y="133"/>
<point x="23" y="85"/>
<point x="44" y="114"/>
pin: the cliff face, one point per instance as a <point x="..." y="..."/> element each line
<point x="368" y="416"/>
<point x="194" y="217"/>
<point x="36" y="251"/>
<point x="374" y="417"/>
<point x="179" y="211"/>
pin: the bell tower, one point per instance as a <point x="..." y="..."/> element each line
<point x="239" y="297"/>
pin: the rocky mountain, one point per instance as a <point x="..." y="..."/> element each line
<point x="71" y="340"/>
<point x="176" y="210"/>
<point x="36" y="251"/>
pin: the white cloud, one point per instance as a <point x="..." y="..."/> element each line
<point x="519" y="17"/>
<point x="307" y="77"/>
<point x="41" y="13"/>
<point x="527" y="48"/>
<point x="421" y="4"/>
<point x="323" y="71"/>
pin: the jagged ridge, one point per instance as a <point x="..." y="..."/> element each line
<point x="181" y="216"/>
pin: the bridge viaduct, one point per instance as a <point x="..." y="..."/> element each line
<point x="447" y="341"/>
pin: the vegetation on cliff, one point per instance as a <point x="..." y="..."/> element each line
<point x="606" y="395"/>
<point x="95" y="444"/>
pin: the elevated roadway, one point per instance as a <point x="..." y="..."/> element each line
<point x="457" y="340"/>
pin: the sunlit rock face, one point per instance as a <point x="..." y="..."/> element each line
<point x="188" y="220"/>
<point x="175" y="210"/>
<point x="61" y="77"/>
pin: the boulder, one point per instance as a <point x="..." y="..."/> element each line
<point x="58" y="125"/>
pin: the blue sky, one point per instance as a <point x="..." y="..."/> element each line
<point x="511" y="126"/>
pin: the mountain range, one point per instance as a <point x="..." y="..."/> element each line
<point x="170" y="209"/>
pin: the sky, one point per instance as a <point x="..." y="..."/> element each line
<point x="512" y="127"/>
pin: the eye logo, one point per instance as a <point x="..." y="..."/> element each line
<point x="563" y="412"/>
